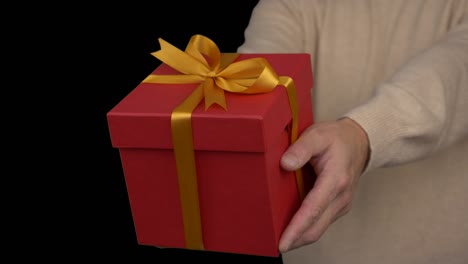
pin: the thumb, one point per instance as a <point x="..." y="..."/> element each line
<point x="308" y="145"/>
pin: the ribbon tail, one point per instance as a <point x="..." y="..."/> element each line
<point x="179" y="60"/>
<point x="292" y="96"/>
<point x="213" y="95"/>
<point x="186" y="169"/>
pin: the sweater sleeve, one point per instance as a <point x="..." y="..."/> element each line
<point x="423" y="108"/>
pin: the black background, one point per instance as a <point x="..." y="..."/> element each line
<point x="112" y="46"/>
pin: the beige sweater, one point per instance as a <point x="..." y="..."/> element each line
<point x="400" y="69"/>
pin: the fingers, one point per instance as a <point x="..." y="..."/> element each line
<point x="301" y="151"/>
<point x="338" y="208"/>
<point x="312" y="208"/>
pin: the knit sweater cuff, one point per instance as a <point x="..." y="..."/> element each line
<point x="380" y="121"/>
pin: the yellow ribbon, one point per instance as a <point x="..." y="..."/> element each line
<point x="202" y="63"/>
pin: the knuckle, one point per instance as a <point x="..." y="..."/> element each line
<point x="343" y="183"/>
<point x="312" y="237"/>
<point x="316" y="212"/>
<point x="323" y="131"/>
<point x="347" y="208"/>
<point x="347" y="201"/>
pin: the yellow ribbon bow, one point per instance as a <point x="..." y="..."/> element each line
<point x="203" y="63"/>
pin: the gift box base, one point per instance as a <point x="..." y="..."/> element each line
<point x="245" y="200"/>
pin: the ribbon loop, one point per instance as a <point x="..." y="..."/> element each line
<point x="215" y="71"/>
<point x="200" y="46"/>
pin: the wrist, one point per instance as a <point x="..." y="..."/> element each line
<point x="363" y="146"/>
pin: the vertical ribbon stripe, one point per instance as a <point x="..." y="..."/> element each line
<point x="288" y="83"/>
<point x="186" y="168"/>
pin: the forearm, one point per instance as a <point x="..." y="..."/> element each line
<point x="423" y="108"/>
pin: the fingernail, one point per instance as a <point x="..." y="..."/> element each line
<point x="289" y="160"/>
<point x="284" y="248"/>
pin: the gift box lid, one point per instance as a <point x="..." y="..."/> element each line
<point x="251" y="123"/>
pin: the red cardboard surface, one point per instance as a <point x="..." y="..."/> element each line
<point x="246" y="200"/>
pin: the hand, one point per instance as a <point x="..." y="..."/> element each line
<point x="338" y="151"/>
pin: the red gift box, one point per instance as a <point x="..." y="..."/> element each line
<point x="245" y="198"/>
